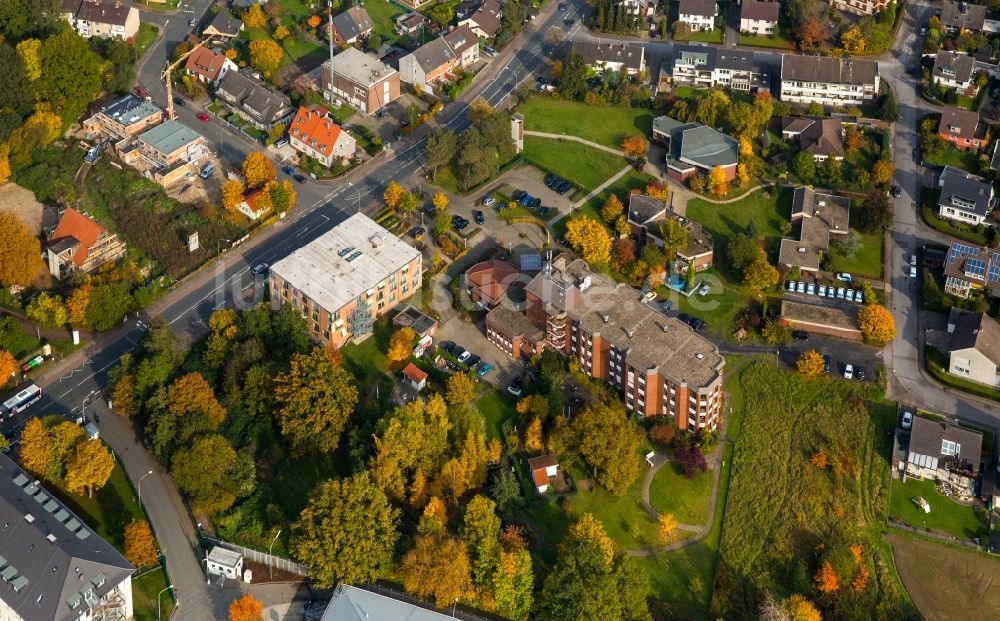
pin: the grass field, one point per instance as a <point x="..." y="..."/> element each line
<point x="776" y="42"/>
<point x="686" y="499"/>
<point x="144" y="38"/>
<point x="15" y="340"/>
<point x="585" y="166"/>
<point x="632" y="180"/>
<point x="146" y="590"/>
<point x="603" y="125"/>
<point x="966" y="160"/>
<point x="109" y="510"/>
<point x="782" y="507"/>
<point x="866" y="262"/>
<point x="705" y="36"/>
<point x="496" y="409"/>
<point x="383" y="16"/>
<point x="946" y="516"/>
<point x="947" y="582"/>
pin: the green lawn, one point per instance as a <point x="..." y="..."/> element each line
<point x="966" y="160"/>
<point x="686" y="499"/>
<point x="603" y="125"/>
<point x="705" y="36"/>
<point x="496" y="409"/>
<point x="295" y="48"/>
<point x="583" y="165"/>
<point x="937" y="364"/>
<point x="109" y="510"/>
<point x="866" y="262"/>
<point x="946" y="516"/>
<point x="632" y="180"/>
<point x="146" y="590"/>
<point x="383" y="15"/>
<point x="366" y="360"/>
<point x="949" y="227"/>
<point x="144" y="38"/>
<point x="776" y="41"/>
<point x="15" y="340"/>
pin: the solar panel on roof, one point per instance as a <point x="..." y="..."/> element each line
<point x="531" y="261"/>
<point x="975" y="267"/>
<point x="995" y="267"/>
<point x="21" y="479"/>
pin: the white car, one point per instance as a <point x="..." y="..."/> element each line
<point x="849" y="295"/>
<point x="849" y="372"/>
<point x="650" y="296"/>
<point x="800" y="287"/>
<point x="840" y="293"/>
<point x="859" y="297"/>
<point x="843" y="276"/>
<point x="811" y="289"/>
<point x="791" y="286"/>
<point x="913" y="271"/>
<point x="907" y="420"/>
<point x="822" y="291"/>
<point x="703" y="290"/>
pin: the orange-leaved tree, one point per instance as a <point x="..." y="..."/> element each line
<point x="246" y="608"/>
<point x="826" y="578"/>
<point x="89" y="467"/>
<point x="810" y="363"/>
<point x="232" y="194"/>
<point x="876" y="324"/>
<point x="635" y="145"/>
<point x="257" y="170"/>
<point x="140" y="549"/>
<point x="8" y="365"/>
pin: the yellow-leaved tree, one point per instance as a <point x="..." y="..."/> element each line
<point x="876" y="324"/>
<point x="232" y="194"/>
<point x="400" y="345"/>
<point x="666" y="529"/>
<point x="254" y="17"/>
<point x="590" y="240"/>
<point x="89" y="467"/>
<point x="246" y="608"/>
<point x="460" y="390"/>
<point x="718" y="185"/>
<point x="140" y="549"/>
<point x="533" y="436"/>
<point x="257" y="170"/>
<point x="77" y="303"/>
<point x="265" y="56"/>
<point x="852" y="40"/>
<point x="20" y="252"/>
<point x="8" y="365"/>
<point x="611" y="209"/>
<point x="810" y="363"/>
<point x="440" y="202"/>
<point x="393" y="194"/>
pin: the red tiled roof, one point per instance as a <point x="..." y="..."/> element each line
<point x="251" y="200"/>
<point x="81" y="228"/>
<point x="540" y="477"/>
<point x="204" y="61"/>
<point x="414" y="374"/>
<point x="314" y="127"/>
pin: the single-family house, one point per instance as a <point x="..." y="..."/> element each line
<point x="361" y="81"/>
<point x="962" y="15"/>
<point x="828" y="80"/>
<point x="543" y="469"/>
<point x="698" y="14"/>
<point x="647" y="216"/>
<point x="974" y="351"/>
<point x="963" y="128"/>
<point x="314" y="133"/>
<point x="124" y="118"/>
<point x="485" y="21"/>
<point x="820" y="136"/>
<point x="410" y="23"/>
<point x="350" y="26"/>
<point x="254" y="101"/>
<point x="80" y="244"/>
<point x="693" y="148"/>
<point x="617" y="57"/>
<point x="639" y="8"/>
<point x="954" y="70"/>
<point x="223" y="27"/>
<point x="860" y="7"/>
<point x="823" y="218"/>
<point x="433" y="62"/>
<point x="939" y="448"/>
<point x="969" y="269"/>
<point x="964" y="196"/>
<point x="106" y="19"/>
<point x="759" y="18"/>
<point x="254" y="205"/>
<point x="415" y="377"/>
<point x="208" y="67"/>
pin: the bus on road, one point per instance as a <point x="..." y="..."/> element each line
<point x="20" y="402"/>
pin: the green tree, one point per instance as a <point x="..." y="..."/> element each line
<point x="675" y="237"/>
<point x="70" y="77"/>
<point x="19" y="18"/>
<point x="210" y="473"/>
<point x="347" y="532"/>
<point x="573" y="80"/>
<point x="513" y="580"/>
<point x="742" y="250"/>
<point x="16" y="101"/>
<point x="875" y="213"/>
<point x="48" y="310"/>
<point x="315" y="397"/>
<point x="481" y="532"/>
<point x="108" y="304"/>
<point x="609" y="442"/>
<point x="804" y="166"/>
<point x="506" y="492"/>
<point x="760" y="274"/>
<point x="440" y="147"/>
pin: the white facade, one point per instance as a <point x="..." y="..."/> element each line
<point x="758" y="26"/>
<point x="961" y="215"/>
<point x="971" y="364"/>
<point x="223" y="562"/>
<point x="699" y="22"/>
<point x="828" y="93"/>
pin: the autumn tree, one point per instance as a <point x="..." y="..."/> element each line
<point x="36" y="448"/>
<point x="438" y="565"/>
<point x="760" y="274"/>
<point x="211" y="473"/>
<point x="265" y="56"/>
<point x="140" y="549"/>
<point x="48" y="310"/>
<point x="412" y="447"/>
<point x="819" y="459"/>
<point x="826" y="579"/>
<point x="77" y="304"/>
<point x="314" y="21"/>
<point x="882" y="172"/>
<point x="691" y="460"/>
<point x="8" y="366"/>
<point x="718" y="185"/>
<point x="590" y="240"/>
<point x="513" y="578"/>
<point x="393" y="194"/>
<point x="280" y="33"/>
<point x="408" y="203"/>
<point x="609" y="442"/>
<point x="440" y="202"/>
<point x="810" y="363"/>
<point x="852" y="139"/>
<point x="852" y="40"/>
<point x="125" y="397"/>
<point x="254" y="17"/>
<point x="191" y="395"/>
<point x="89" y="468"/>
<point x="401" y="345"/>
<point x="360" y="547"/>
<point x="635" y="146"/>
<point x="460" y="390"/>
<point x="481" y="533"/>
<point x="246" y="608"/>
<point x="4" y="163"/>
<point x="802" y="609"/>
<point x="533" y="436"/>
<point x="19" y="252"/>
<point x="232" y="194"/>
<point x="876" y="324"/>
<point x="657" y="190"/>
<point x="810" y="31"/>
<point x="257" y="170"/>
<point x="612" y="208"/>
<point x="666" y="529"/>
<point x="314" y="398"/>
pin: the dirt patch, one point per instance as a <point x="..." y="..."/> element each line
<point x="21" y="202"/>
<point x="945" y="582"/>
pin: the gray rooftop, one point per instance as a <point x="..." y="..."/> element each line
<point x="358" y="67"/>
<point x="964" y="190"/>
<point x="353" y="22"/>
<point x="225" y="23"/>
<point x="353" y="604"/>
<point x="433" y="54"/>
<point x="953" y="66"/>
<point x="53" y="566"/>
<point x="514" y="323"/>
<point x="963" y="15"/>
<point x="630" y="56"/>
<point x="926" y="437"/>
<point x="697" y="145"/>
<point x="130" y="109"/>
<point x="325" y="271"/>
<point x="764" y="11"/>
<point x="822" y="217"/>
<point x="706" y="8"/>
<point x="977" y="331"/>
<point x="828" y="69"/>
<point x="113" y="12"/>
<point x="169" y="136"/>
<point x="710" y="58"/>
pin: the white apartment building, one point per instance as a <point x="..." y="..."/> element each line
<point x="828" y="81"/>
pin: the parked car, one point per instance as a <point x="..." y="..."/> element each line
<point x="458" y="351"/>
<point x="800" y="287"/>
<point x="526" y="200"/>
<point x="859" y="297"/>
<point x="800" y="335"/>
<point x="831" y="292"/>
<point x="535" y="203"/>
<point x="912" y="271"/>
<point x="563" y="187"/>
<point x="446" y="346"/>
<point x="649" y="296"/>
<point x="811" y="289"/>
<point x="260" y="268"/>
<point x="849" y="295"/>
<point x="703" y="290"/>
<point x="907" y="420"/>
<point x="840" y="293"/>
<point x="179" y="101"/>
<point x="696" y="324"/>
<point x="483" y="369"/>
<point x="280" y="142"/>
<point x="417" y="232"/>
<point x="543" y="211"/>
<point x="822" y="291"/>
<point x="518" y="195"/>
<point x="299" y="177"/>
<point x="203" y="117"/>
<point x="859" y="373"/>
<point x="488" y="201"/>
<point x="569" y="22"/>
<point x="478" y="216"/>
<point x="791" y="286"/>
<point x="826" y="363"/>
<point x="849" y="372"/>
<point x="515" y="388"/>
<point x="897" y="191"/>
<point x="843" y="277"/>
<point x="288" y="170"/>
<point x="192" y="22"/>
<point x="472" y="361"/>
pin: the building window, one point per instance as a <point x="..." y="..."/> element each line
<point x="950" y="448"/>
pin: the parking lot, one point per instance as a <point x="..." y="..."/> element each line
<point x="843" y="293"/>
<point x="840" y="352"/>
<point x="471" y="337"/>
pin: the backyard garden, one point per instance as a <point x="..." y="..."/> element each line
<point x="967" y="522"/>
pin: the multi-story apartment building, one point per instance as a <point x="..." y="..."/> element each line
<point x="434" y="61"/>
<point x="106" y="19"/>
<point x="860" y="7"/>
<point x="661" y="366"/>
<point x="613" y="56"/>
<point x="705" y="67"/>
<point x="314" y="133"/>
<point x="347" y="278"/>
<point x="828" y="80"/>
<point x="171" y="143"/>
<point x="124" y="118"/>
<point x="361" y="81"/>
<point x="698" y="14"/>
<point x="53" y="566"/>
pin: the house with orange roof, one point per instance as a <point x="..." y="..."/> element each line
<point x="543" y="469"/>
<point x="207" y="66"/>
<point x="79" y="243"/>
<point x="415" y="377"/>
<point x="314" y="133"/>
<point x="254" y="205"/>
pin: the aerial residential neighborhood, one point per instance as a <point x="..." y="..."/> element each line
<point x="499" y="309"/>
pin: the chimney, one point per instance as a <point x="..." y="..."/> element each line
<point x="605" y="318"/>
<point x="629" y="332"/>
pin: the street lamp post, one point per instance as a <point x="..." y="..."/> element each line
<point x="270" y="565"/>
<point x="140" y="485"/>
<point x="167" y="588"/>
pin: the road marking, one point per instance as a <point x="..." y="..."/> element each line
<point x="113" y="362"/>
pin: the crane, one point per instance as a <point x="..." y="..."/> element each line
<point x="165" y="76"/>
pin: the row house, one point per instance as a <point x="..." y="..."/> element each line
<point x="434" y="61"/>
<point x="659" y="364"/>
<point x="254" y="101"/>
<point x="828" y="80"/>
<point x="346" y="279"/>
<point x="361" y="81"/>
<point x="105" y="19"/>
<point x="314" y="133"/>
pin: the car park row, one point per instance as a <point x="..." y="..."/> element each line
<point x="839" y="293"/>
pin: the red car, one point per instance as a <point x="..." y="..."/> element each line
<point x="203" y="117"/>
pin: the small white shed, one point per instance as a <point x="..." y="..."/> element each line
<point x="225" y="562"/>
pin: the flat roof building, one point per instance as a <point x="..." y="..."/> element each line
<point x="828" y="80"/>
<point x="124" y="118"/>
<point x="346" y="278"/>
<point x="359" y="80"/>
